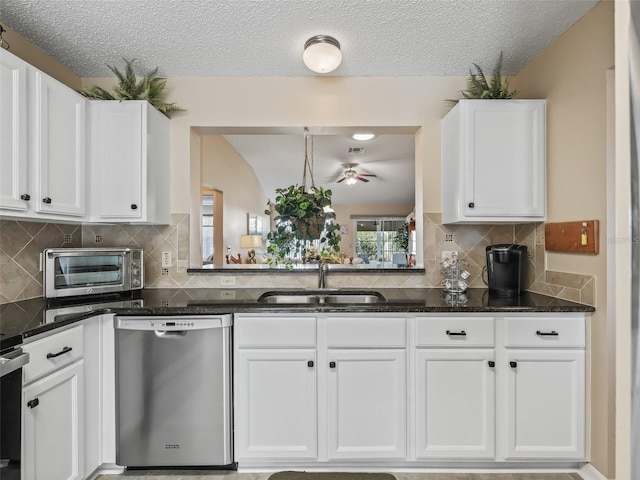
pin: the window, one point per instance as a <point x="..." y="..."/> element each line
<point x="376" y="239"/>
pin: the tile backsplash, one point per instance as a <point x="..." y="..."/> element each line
<point x="22" y="242"/>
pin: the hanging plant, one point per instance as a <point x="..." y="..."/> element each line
<point x="497" y="87"/>
<point x="303" y="216"/>
<point x="148" y="87"/>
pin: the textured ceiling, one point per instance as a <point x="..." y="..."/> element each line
<point x="266" y="37"/>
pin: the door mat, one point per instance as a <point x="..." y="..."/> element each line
<point x="331" y="476"/>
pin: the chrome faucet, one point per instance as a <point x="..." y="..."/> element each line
<point x="323" y="268"/>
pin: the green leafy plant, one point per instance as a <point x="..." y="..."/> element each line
<point x="479" y="87"/>
<point x="301" y="220"/>
<point x="401" y="239"/>
<point x="148" y="86"/>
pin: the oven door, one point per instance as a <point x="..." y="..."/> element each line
<point x="69" y="272"/>
<point x="11" y="364"/>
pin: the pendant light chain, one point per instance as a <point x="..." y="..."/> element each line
<point x="308" y="165"/>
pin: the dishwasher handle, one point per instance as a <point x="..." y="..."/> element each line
<point x="170" y="333"/>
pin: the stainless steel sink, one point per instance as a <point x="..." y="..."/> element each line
<point x="321" y="296"/>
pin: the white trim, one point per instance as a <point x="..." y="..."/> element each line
<point x="589" y="472"/>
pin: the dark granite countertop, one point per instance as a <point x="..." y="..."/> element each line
<point x="28" y="318"/>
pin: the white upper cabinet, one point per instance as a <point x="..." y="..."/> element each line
<point x="59" y="149"/>
<point x="129" y="163"/>
<point x="43" y="151"/>
<point x="493" y="162"/>
<point x="13" y="132"/>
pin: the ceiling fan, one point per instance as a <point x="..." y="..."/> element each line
<point x="350" y="175"/>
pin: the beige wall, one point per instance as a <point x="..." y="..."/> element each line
<point x="621" y="249"/>
<point x="223" y="169"/>
<point x="39" y="59"/>
<point x="571" y="75"/>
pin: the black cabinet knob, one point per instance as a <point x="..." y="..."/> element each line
<point x="513" y="364"/>
<point x="332" y="364"/>
<point x="134" y="206"/>
<point x="310" y="363"/>
<point x="33" y="403"/>
<point x="492" y="363"/>
<point x="46" y="200"/>
<point x="472" y="205"/>
<point x="25" y="196"/>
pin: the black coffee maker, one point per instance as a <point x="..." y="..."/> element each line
<point x="506" y="265"/>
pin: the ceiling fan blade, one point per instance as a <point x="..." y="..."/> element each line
<point x="367" y="174"/>
<point x="361" y="178"/>
<point x="341" y="180"/>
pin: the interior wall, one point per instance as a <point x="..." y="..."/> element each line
<point x="571" y="75"/>
<point x="27" y="51"/>
<point x="225" y="170"/>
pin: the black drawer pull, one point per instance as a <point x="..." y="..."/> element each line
<point x="461" y="333"/>
<point x="332" y="364"/>
<point x="552" y="333"/>
<point x="33" y="403"/>
<point x="46" y="200"/>
<point x="25" y="196"/>
<point x="513" y="364"/>
<point x="134" y="206"/>
<point x="492" y="363"/>
<point x="61" y="352"/>
<point x="310" y="363"/>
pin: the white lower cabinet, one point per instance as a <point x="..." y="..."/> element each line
<point x="53" y="419"/>
<point x="360" y="389"/>
<point x="543" y="380"/>
<point x="366" y="404"/>
<point x="275" y="404"/>
<point x="455" y="403"/>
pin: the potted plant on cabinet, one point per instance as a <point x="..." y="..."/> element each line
<point x="479" y="88"/>
<point x="149" y="88"/>
<point x="303" y="216"/>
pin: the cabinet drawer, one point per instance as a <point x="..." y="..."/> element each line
<point x="53" y="352"/>
<point x="549" y="332"/>
<point x="258" y="331"/>
<point x="455" y="332"/>
<point x="366" y="332"/>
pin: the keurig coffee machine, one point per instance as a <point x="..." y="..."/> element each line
<point x="506" y="265"/>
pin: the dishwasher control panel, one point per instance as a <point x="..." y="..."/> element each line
<point x="172" y="323"/>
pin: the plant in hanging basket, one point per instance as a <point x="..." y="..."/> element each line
<point x="302" y="218"/>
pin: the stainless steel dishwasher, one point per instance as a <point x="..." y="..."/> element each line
<point x="173" y="391"/>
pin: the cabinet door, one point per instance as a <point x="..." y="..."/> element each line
<point x="455" y="404"/>
<point x="546" y="404"/>
<point x="504" y="158"/>
<point x="59" y="148"/>
<point x="366" y="404"/>
<point x="13" y="132"/>
<point x="116" y="159"/>
<point x="53" y="412"/>
<point x="275" y="404"/>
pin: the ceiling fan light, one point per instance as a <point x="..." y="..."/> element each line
<point x="363" y="137"/>
<point x="322" y="54"/>
<point x="350" y="181"/>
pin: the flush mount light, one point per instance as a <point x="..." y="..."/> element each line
<point x="363" y="137"/>
<point x="322" y="54"/>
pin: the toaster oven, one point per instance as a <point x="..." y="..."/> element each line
<point x="88" y="271"/>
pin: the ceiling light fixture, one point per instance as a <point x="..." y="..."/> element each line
<point x="363" y="137"/>
<point x="350" y="181"/>
<point x="322" y="54"/>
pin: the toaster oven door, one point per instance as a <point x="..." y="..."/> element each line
<point x="84" y="272"/>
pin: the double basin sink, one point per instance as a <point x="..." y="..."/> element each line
<point x="322" y="296"/>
